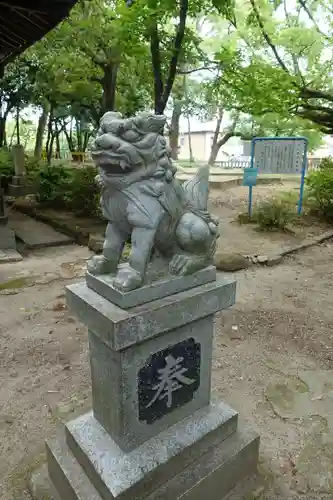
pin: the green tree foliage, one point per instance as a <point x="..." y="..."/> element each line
<point x="267" y="60"/>
<point x="320" y="188"/>
<point x="281" y="60"/>
<point x="249" y="89"/>
<point x="117" y="55"/>
<point x="16" y="89"/>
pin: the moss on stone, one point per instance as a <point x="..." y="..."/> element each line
<point x="14" y="283"/>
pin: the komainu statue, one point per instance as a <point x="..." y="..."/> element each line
<point x="143" y="201"/>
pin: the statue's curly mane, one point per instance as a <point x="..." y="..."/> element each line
<point x="133" y="147"/>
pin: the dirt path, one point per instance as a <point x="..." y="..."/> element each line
<point x="272" y="362"/>
<point x="245" y="239"/>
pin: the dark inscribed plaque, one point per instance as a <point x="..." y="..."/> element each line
<point x="168" y="380"/>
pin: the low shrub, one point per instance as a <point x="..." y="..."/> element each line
<point x="273" y="214"/>
<point x="82" y="193"/>
<point x="51" y="184"/>
<point x="291" y="198"/>
<point x="326" y="164"/>
<point x="319" y="185"/>
<point x="33" y="166"/>
<point x="64" y="187"/>
<point x="245" y="218"/>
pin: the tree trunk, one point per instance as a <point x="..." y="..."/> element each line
<point x="85" y="142"/>
<point x="219" y="143"/>
<point x="69" y="139"/>
<point x="57" y="135"/>
<point x="188" y="119"/>
<point x="3" y="116"/>
<point x="18" y="125"/>
<point x="215" y="150"/>
<point x="71" y="143"/>
<point x="218" y="146"/>
<point x="49" y="132"/>
<point x="189" y="138"/>
<point x="213" y="153"/>
<point x="162" y="90"/>
<point x="109" y="83"/>
<point x="157" y="71"/>
<point x="78" y="135"/>
<point x="50" y="139"/>
<point x="40" y="132"/>
<point x="50" y="149"/>
<point x="3" y="141"/>
<point x="174" y="129"/>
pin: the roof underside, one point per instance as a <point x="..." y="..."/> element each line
<point x="24" y="22"/>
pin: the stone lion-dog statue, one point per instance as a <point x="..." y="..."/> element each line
<point x="144" y="202"/>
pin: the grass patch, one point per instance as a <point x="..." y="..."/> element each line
<point x="13" y="284"/>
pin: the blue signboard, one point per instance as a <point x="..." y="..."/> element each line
<point x="250" y="176"/>
<point x="279" y="155"/>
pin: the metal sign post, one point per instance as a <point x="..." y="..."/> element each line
<point x="281" y="155"/>
<point x="250" y="180"/>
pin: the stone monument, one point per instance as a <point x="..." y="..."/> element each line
<point x="7" y="236"/>
<point x="153" y="433"/>
<point x="18" y="187"/>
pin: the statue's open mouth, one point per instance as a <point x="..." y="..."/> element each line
<point x="110" y="162"/>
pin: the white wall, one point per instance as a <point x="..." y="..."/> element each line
<point x="201" y="146"/>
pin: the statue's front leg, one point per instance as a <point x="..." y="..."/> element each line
<point x="107" y="263"/>
<point x="132" y="275"/>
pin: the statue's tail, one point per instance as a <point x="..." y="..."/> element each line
<point x="196" y="190"/>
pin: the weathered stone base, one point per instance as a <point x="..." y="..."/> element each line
<point x="81" y="467"/>
<point x="123" y="343"/>
<point x="9" y="255"/>
<point x="7" y="238"/>
<point x="156" y="287"/>
<point x="19" y="186"/>
<point x="3" y="220"/>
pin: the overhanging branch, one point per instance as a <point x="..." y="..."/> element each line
<point x="308" y="93"/>
<point x="190" y="71"/>
<point x="267" y="37"/>
<point x="310" y="16"/>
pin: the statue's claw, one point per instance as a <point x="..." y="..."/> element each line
<point x="127" y="279"/>
<point x="98" y="264"/>
<point x="182" y="264"/>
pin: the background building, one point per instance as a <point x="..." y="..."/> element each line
<point x="235" y="149"/>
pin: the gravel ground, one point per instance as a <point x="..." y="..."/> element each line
<point x="280" y="327"/>
<point x="246" y="239"/>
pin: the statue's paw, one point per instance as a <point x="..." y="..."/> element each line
<point x="98" y="264"/>
<point x="127" y="279"/>
<point x="182" y="264"/>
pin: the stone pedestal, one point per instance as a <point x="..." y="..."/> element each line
<point x="18" y="186"/>
<point x="7" y="236"/>
<point x="153" y="432"/>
